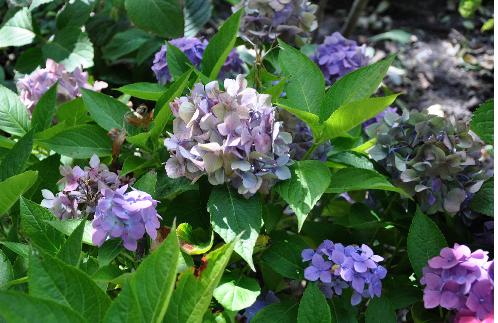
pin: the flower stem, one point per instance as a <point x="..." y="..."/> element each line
<point x="310" y="151"/>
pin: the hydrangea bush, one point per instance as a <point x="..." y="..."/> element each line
<point x="208" y="185"/>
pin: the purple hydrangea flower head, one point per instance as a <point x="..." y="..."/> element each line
<point x="290" y="20"/>
<point x="338" y="56"/>
<point x="231" y="136"/>
<point x="62" y="206"/>
<point x="336" y="267"/>
<point x="194" y="49"/>
<point x="32" y="87"/>
<point x="125" y="215"/>
<point x="459" y="279"/>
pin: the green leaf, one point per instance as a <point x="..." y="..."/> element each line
<point x="67" y="227"/>
<point x="483" y="200"/>
<point x="398" y="35"/>
<point x="81" y="142"/>
<point x="169" y="188"/>
<point x="352" y="159"/>
<point x="306" y="85"/>
<point x="467" y="8"/>
<point x="284" y="256"/>
<point x="220" y="46"/>
<point x="488" y="25"/>
<point x="147" y="295"/>
<point x="283" y="312"/>
<point x="162" y="17"/>
<point x="6" y="271"/>
<point x="14" y="160"/>
<point x="357" y="85"/>
<point x="341" y="309"/>
<point x="380" y="310"/>
<point x="71" y="249"/>
<point x="51" y="278"/>
<point x="178" y="62"/>
<point x="482" y="122"/>
<point x="124" y="43"/>
<point x="194" y="241"/>
<point x="21" y="308"/>
<point x="74" y="13"/>
<point x="310" y="179"/>
<point x="356" y="179"/>
<point x="70" y="47"/>
<point x="197" y="13"/>
<point x="106" y="111"/>
<point x="147" y="183"/>
<point x="21" y="249"/>
<point x="134" y="163"/>
<point x="313" y="307"/>
<point x="234" y="216"/>
<point x="34" y="225"/>
<point x="162" y="117"/>
<point x="424" y="241"/>
<point x="108" y="251"/>
<point x="13" y="187"/>
<point x="352" y="114"/>
<point x="18" y="30"/>
<point x="193" y="294"/>
<point x="144" y="90"/>
<point x="236" y="292"/>
<point x="29" y="60"/>
<point x="45" y="110"/>
<point x="73" y="113"/>
<point x="14" y="118"/>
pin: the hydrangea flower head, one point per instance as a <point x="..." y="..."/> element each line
<point x="437" y="160"/>
<point x="290" y="20"/>
<point x="231" y="136"/>
<point x="337" y="267"/>
<point x="459" y="279"/>
<point x="338" y="56"/>
<point x="32" y="87"/>
<point x="125" y="215"/>
<point x="194" y="49"/>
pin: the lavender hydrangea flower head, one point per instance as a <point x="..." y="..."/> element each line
<point x="459" y="279"/>
<point x="290" y="20"/>
<point x="437" y="160"/>
<point x="125" y="215"/>
<point x="32" y="87"/>
<point x="231" y="136"/>
<point x="194" y="49"/>
<point x="338" y="56"/>
<point x="337" y="267"/>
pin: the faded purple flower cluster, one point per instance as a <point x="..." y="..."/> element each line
<point x="337" y="267"/>
<point x="32" y="87"/>
<point x="460" y="280"/>
<point x="194" y="49"/>
<point x="126" y="215"/>
<point x="230" y="136"/>
<point x="379" y="117"/>
<point x="96" y="191"/>
<point x="337" y="56"/>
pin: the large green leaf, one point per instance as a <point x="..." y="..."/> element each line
<point x="310" y="179"/>
<point x="357" y="85"/>
<point x="483" y="200"/>
<point x="15" y="159"/>
<point x="51" y="278"/>
<point x="313" y="307"/>
<point x="355" y="179"/>
<point x="380" y="310"/>
<point x="6" y="271"/>
<point x="34" y="225"/>
<point x="147" y="295"/>
<point x="352" y="114"/>
<point x="197" y="14"/>
<point x="106" y="111"/>
<point x="482" y="122"/>
<point x="193" y="294"/>
<point x="13" y="187"/>
<point x="14" y="118"/>
<point x="220" y="45"/>
<point x="18" y="30"/>
<point x="306" y="85"/>
<point x="162" y="17"/>
<point x="71" y="249"/>
<point x="236" y="292"/>
<point x="124" y="43"/>
<point x="21" y="308"/>
<point x="233" y="215"/>
<point x="44" y="110"/>
<point x="74" y="13"/>
<point x="144" y="90"/>
<point x="178" y="62"/>
<point x="108" y="251"/>
<point x="73" y="113"/>
<point x="194" y="241"/>
<point x="81" y="142"/>
<point x="69" y="226"/>
<point x="284" y="256"/>
<point x="283" y="312"/>
<point x="424" y="241"/>
<point x="467" y="8"/>
<point x="70" y="47"/>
